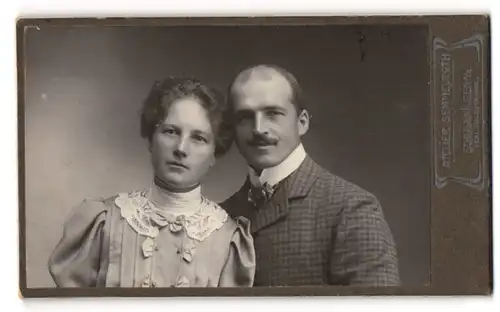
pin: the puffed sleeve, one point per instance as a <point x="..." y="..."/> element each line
<point x="239" y="270"/>
<point x="76" y="258"/>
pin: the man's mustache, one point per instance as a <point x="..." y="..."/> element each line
<point x="260" y="140"/>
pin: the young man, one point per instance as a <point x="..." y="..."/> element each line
<point x="310" y="227"/>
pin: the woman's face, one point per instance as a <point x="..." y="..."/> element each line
<point x="182" y="147"/>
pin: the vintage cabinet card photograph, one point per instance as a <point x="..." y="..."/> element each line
<point x="268" y="156"/>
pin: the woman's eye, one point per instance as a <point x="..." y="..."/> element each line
<point x="199" y="138"/>
<point x="169" y="131"/>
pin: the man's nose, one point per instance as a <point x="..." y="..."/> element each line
<point x="259" y="124"/>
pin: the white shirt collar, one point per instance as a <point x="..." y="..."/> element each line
<point x="275" y="174"/>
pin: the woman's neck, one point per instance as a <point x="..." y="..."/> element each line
<point x="164" y="186"/>
<point x="179" y="201"/>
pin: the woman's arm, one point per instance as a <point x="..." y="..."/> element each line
<point x="239" y="270"/>
<point x="75" y="261"/>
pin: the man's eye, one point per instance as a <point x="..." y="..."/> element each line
<point x="243" y="116"/>
<point x="273" y="113"/>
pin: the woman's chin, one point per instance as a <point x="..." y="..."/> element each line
<point x="175" y="182"/>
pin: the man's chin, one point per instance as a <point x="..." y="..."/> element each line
<point x="263" y="162"/>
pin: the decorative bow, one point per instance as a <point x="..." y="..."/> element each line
<point x="260" y="195"/>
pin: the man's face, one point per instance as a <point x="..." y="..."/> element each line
<point x="267" y="125"/>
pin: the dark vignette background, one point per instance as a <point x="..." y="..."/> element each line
<point x="367" y="89"/>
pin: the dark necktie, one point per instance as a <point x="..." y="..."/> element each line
<point x="260" y="195"/>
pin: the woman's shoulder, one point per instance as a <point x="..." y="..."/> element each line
<point x="127" y="202"/>
<point x="210" y="219"/>
<point x="93" y="206"/>
<point x="224" y="223"/>
<point x="88" y="209"/>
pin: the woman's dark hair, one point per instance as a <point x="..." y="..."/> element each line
<point x="163" y="93"/>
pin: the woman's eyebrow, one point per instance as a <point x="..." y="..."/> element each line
<point x="205" y="133"/>
<point x="163" y="124"/>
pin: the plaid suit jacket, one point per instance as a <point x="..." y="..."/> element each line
<point x="319" y="229"/>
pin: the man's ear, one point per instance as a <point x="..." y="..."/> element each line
<point x="303" y="122"/>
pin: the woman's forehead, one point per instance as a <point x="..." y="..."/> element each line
<point x="189" y="112"/>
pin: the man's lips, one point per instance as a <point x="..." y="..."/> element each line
<point x="262" y="148"/>
<point x="261" y="144"/>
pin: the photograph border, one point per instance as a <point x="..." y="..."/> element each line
<point x="461" y="206"/>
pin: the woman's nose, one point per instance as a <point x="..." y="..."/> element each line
<point x="181" y="148"/>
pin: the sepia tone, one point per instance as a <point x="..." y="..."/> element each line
<point x="367" y="88"/>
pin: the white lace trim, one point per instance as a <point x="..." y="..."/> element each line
<point x="146" y="220"/>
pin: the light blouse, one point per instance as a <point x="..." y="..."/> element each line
<point x="126" y="241"/>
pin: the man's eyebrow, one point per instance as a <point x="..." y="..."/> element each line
<point x="243" y="110"/>
<point x="273" y="107"/>
<point x="261" y="107"/>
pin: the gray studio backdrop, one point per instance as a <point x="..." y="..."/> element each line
<point x="366" y="87"/>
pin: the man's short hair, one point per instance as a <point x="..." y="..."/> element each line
<point x="297" y="97"/>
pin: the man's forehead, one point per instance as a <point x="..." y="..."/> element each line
<point x="262" y="78"/>
<point x="260" y="72"/>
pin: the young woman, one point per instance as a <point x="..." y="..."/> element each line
<point x="168" y="235"/>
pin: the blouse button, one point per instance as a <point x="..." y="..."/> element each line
<point x="148" y="246"/>
<point x="188" y="254"/>
<point x="182" y="282"/>
<point x="146" y="282"/>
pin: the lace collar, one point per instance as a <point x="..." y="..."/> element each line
<point x="147" y="220"/>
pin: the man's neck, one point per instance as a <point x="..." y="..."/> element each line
<point x="274" y="175"/>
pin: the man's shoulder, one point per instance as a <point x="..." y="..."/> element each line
<point x="339" y="196"/>
<point x="234" y="200"/>
<point x="337" y="186"/>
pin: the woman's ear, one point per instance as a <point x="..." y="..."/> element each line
<point x="213" y="160"/>
<point x="150" y="145"/>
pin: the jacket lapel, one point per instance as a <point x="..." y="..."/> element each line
<point x="273" y="210"/>
<point x="297" y="185"/>
<point x="302" y="180"/>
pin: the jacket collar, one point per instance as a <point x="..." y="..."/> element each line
<point x="301" y="181"/>
<point x="297" y="185"/>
